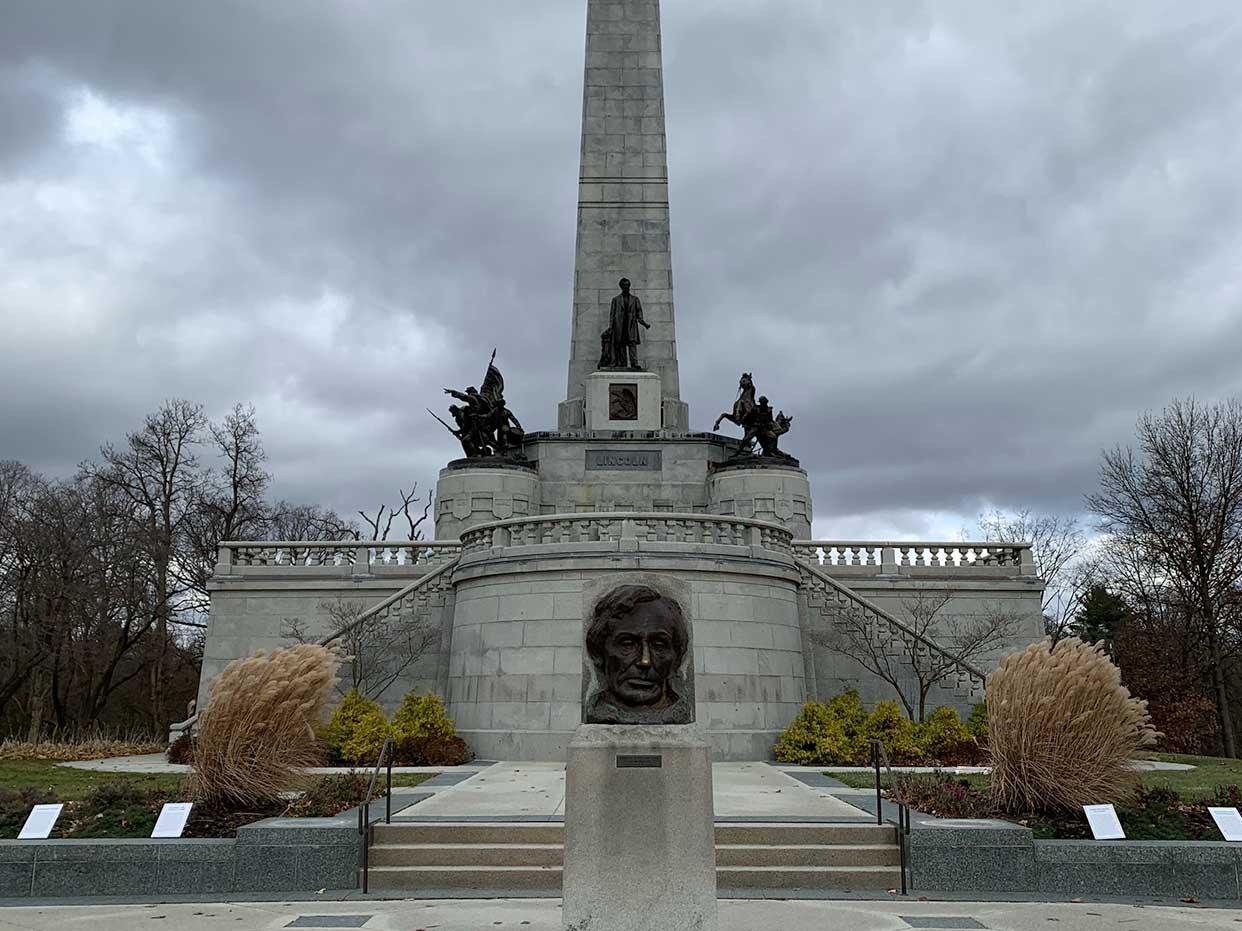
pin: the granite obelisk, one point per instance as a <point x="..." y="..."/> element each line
<point x="623" y="214"/>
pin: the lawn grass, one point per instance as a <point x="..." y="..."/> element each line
<point x="1200" y="782"/>
<point x="69" y="784"/>
<point x="1191" y="785"/>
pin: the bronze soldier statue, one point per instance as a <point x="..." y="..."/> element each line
<point x="485" y="425"/>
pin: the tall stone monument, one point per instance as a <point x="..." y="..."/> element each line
<point x="623" y="228"/>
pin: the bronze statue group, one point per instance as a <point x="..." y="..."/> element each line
<point x="487" y="428"/>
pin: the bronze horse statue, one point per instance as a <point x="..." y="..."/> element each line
<point x="744" y="404"/>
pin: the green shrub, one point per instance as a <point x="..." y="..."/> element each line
<point x="421" y="716"/>
<point x="815" y="736"/>
<point x="357" y="730"/>
<point x="977" y="723"/>
<point x="847" y="709"/>
<point x="889" y="724"/>
<point x="426" y="735"/>
<point x="942" y="736"/>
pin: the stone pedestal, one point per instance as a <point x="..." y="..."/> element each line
<point x="640" y="846"/>
<point x="762" y="490"/>
<point x="621" y="400"/>
<point x="471" y="492"/>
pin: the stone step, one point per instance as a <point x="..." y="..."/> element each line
<point x="549" y="878"/>
<point x="467" y="854"/>
<point x="465" y="877"/>
<point x="750" y="833"/>
<point x="778" y="834"/>
<point x="808" y="877"/>
<point x="818" y="855"/>
<point x="741" y="855"/>
<point x="470" y="832"/>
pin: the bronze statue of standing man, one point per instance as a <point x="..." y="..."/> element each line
<point x="625" y="316"/>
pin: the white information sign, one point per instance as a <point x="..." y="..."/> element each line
<point x="1229" y="821"/>
<point x="39" y="824"/>
<point x="1104" y="823"/>
<point x="172" y="819"/>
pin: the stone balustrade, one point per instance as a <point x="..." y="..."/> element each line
<point x="320" y="554"/>
<point x="614" y="526"/>
<point x="957" y="556"/>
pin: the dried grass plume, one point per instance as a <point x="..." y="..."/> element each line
<point x="1062" y="729"/>
<point x="258" y="733"/>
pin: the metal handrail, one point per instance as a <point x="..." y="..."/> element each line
<point x="364" y="810"/>
<point x="878" y="753"/>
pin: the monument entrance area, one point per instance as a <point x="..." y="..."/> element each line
<point x="625" y="570"/>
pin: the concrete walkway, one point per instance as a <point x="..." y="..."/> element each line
<point x="742" y="790"/>
<point x="545" y="915"/>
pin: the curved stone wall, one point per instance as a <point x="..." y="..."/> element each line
<point x="775" y="493"/>
<point x="517" y="664"/>
<point x="467" y="496"/>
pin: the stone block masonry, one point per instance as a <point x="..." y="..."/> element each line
<point x="623" y="207"/>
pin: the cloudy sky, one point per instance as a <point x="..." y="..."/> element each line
<point x="964" y="243"/>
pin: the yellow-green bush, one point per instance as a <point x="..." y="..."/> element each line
<point x="357" y="730"/>
<point x="421" y="717"/>
<point x="889" y="724"/>
<point x="814" y="736"/>
<point x="839" y="733"/>
<point x="978" y="723"/>
<point x="942" y="735"/>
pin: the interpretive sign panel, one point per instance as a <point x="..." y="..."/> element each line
<point x="624" y="460"/>
<point x="40" y="822"/>
<point x="172" y="819"/>
<point x="1229" y="821"/>
<point x="1104" y="823"/>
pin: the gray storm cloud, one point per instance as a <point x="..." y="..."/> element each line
<point x="963" y="245"/>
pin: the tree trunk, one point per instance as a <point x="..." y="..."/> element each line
<point x="38" y="694"/>
<point x="1222" y="696"/>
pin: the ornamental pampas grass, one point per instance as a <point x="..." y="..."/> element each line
<point x="1062" y="729"/>
<point x="258" y="732"/>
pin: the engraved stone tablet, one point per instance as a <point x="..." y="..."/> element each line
<point x="623" y="460"/>
<point x="623" y="401"/>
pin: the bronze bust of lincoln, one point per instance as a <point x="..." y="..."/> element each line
<point x="638" y="641"/>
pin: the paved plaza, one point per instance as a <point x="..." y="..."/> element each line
<point x="537" y="790"/>
<point x="545" y="915"/>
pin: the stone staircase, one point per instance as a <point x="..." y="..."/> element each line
<point x="509" y="856"/>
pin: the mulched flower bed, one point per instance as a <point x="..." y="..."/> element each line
<point x="1157" y="813"/>
<point x="123" y="809"/>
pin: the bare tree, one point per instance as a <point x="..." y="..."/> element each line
<point x="1057" y="544"/>
<point x="855" y="633"/>
<point x="377" y="651"/>
<point x="1175" y="505"/>
<point x="230" y="504"/>
<point x="288" y="521"/>
<point x="380" y="526"/>
<point x="157" y="471"/>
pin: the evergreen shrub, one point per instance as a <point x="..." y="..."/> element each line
<point x="357" y="730"/>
